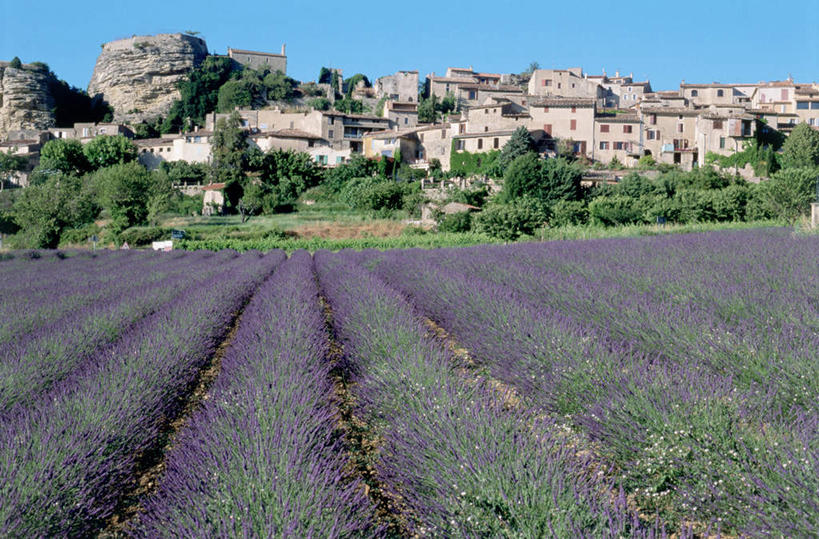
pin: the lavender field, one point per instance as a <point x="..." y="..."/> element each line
<point x="602" y="388"/>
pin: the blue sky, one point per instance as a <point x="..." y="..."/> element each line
<point x="695" y="40"/>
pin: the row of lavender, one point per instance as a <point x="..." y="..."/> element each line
<point x="692" y="360"/>
<point x="452" y="455"/>
<point x="89" y="315"/>
<point x="69" y="446"/>
<point x="264" y="457"/>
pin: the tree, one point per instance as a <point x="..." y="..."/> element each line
<point x="533" y="66"/>
<point x="510" y="221"/>
<point x="520" y="143"/>
<point x="124" y="191"/>
<point x="320" y="103"/>
<point x="353" y="81"/>
<point x="44" y="211"/>
<point x="281" y="177"/>
<point x="279" y="86"/>
<point x="63" y="155"/>
<point x="789" y="192"/>
<point x="548" y="181"/>
<point x="106" y="150"/>
<point x="235" y="93"/>
<point x="325" y="75"/>
<point x="349" y="105"/>
<point x="801" y="148"/>
<point x="427" y="110"/>
<point x="16" y="63"/>
<point x="229" y="151"/>
<point x="199" y="93"/>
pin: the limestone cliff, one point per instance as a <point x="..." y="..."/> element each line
<point x="26" y="102"/>
<point x="137" y="76"/>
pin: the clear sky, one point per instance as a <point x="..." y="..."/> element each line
<point x="695" y="40"/>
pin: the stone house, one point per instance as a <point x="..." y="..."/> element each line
<point x="617" y="135"/>
<point x="435" y="142"/>
<point x="214" y="200"/>
<point x="401" y="114"/>
<point x="776" y="96"/>
<point x="389" y="143"/>
<point x="565" y="83"/>
<point x="669" y="134"/>
<point x="723" y="132"/>
<point x="495" y="116"/>
<point x="259" y="60"/>
<point x="456" y="77"/>
<point x="481" y="142"/>
<point x="400" y="87"/>
<point x="717" y="93"/>
<point x="807" y="104"/>
<point x="468" y="95"/>
<point x="566" y="118"/>
<point x="620" y="91"/>
<point x="87" y="131"/>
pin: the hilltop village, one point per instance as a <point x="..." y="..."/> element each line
<point x="602" y="117"/>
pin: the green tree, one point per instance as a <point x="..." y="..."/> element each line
<point x="511" y="221"/>
<point x="801" y="148"/>
<point x="320" y="103"/>
<point x="123" y="190"/>
<point x="427" y="110"/>
<point x="279" y="86"/>
<point x="789" y="192"/>
<point x="281" y="177"/>
<point x="547" y="181"/>
<point x="63" y="155"/>
<point x="349" y="105"/>
<point x="44" y="211"/>
<point x="235" y="93"/>
<point x="353" y="81"/>
<point x="16" y="63"/>
<point x="106" y="150"/>
<point x="325" y="75"/>
<point x="199" y="93"/>
<point x="520" y="143"/>
<point x="229" y="157"/>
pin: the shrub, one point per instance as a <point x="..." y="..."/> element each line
<point x="456" y="222"/>
<point x="569" y="212"/>
<point x="615" y="210"/>
<point x="511" y="221"/>
<point x="143" y="235"/>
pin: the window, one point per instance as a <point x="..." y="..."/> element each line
<point x="604" y="145"/>
<point x="496" y="143"/>
<point x="472" y="94"/>
<point x="447" y="87"/>
<point x="339" y="160"/>
<point x="486" y="129"/>
<point x="627" y="129"/>
<point x="604" y="128"/>
<point x="694" y="93"/>
<point x="545" y="109"/>
<point x="618" y="145"/>
<point x="291" y="125"/>
<point x="720" y="93"/>
<point x="680" y="128"/>
<point x="784" y="95"/>
<point x="460" y="145"/>
<point x="802" y="105"/>
<point x="331" y="120"/>
<point x="310" y="143"/>
<point x="722" y="143"/>
<point x="486" y="111"/>
<point x="558" y="86"/>
<point x="480" y="143"/>
<point x="461" y="128"/>
<point x="653" y="119"/>
<point x="814" y="105"/>
<point x="574" y="109"/>
<point x="443" y="133"/>
<point x="629" y="88"/>
<point x="330" y="133"/>
<point x="572" y="85"/>
<point x="573" y="125"/>
<point x="406" y="121"/>
<point x="717" y="124"/>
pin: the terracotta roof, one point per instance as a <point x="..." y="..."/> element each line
<point x="670" y="111"/>
<point x="12" y="143"/>
<point x="488" y="75"/>
<point x="292" y="133"/>
<point x="718" y="85"/>
<point x="462" y="80"/>
<point x="154" y="141"/>
<point x="564" y="102"/>
<point x="618" y="119"/>
<point x="485" y="134"/>
<point x="213" y="187"/>
<point x="487" y="88"/>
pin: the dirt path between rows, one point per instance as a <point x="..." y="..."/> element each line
<point x="151" y="465"/>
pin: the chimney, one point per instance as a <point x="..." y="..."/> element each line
<point x="617" y="74"/>
<point x="283" y="47"/>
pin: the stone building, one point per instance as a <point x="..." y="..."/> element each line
<point x="669" y="134"/>
<point x="401" y="87"/>
<point x="401" y="114"/>
<point x="566" y="118"/>
<point x="617" y="135"/>
<point x="259" y="60"/>
<point x="565" y="83"/>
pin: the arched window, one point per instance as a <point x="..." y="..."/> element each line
<point x="720" y="93"/>
<point x="694" y="93"/>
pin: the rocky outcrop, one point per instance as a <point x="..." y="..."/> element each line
<point x="138" y="76"/>
<point x="26" y="102"/>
